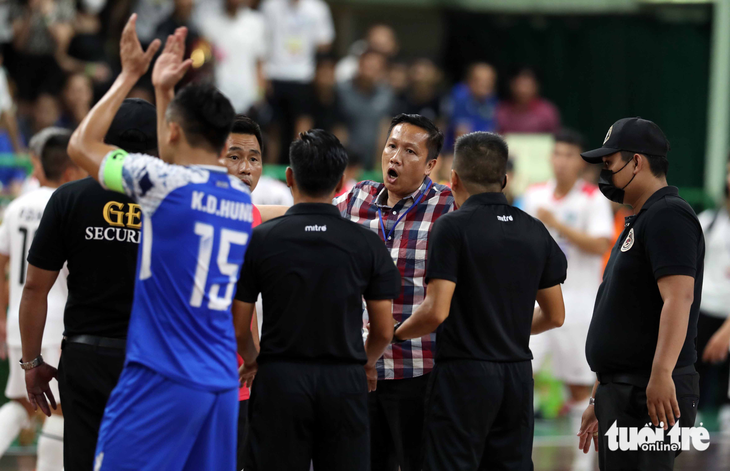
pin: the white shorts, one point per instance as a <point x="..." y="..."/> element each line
<point x="15" y="388"/>
<point x="566" y="349"/>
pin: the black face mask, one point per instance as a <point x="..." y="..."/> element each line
<point x="609" y="190"/>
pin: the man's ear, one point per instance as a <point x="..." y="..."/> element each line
<point x="430" y="165"/>
<point x="640" y="163"/>
<point x="289" y="177"/>
<point x="174" y="133"/>
<point x="455" y="180"/>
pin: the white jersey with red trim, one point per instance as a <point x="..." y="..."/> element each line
<point x="584" y="209"/>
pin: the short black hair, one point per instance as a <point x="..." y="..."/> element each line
<point x="658" y="164"/>
<point x="318" y="161"/>
<point x="204" y="114"/>
<point x="54" y="156"/>
<point x="480" y="160"/>
<point x="435" y="137"/>
<point x="242" y="124"/>
<point x="572" y="137"/>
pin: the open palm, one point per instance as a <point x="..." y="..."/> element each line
<point x="170" y="67"/>
<point x="135" y="60"/>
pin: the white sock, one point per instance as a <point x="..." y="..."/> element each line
<point x="50" y="445"/>
<point x="13" y="418"/>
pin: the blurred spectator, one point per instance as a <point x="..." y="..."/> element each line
<point x="397" y="77"/>
<point x="181" y="15"/>
<point x="271" y="191"/>
<point x="76" y="100"/>
<point x="422" y="95"/>
<point x="39" y="28"/>
<point x="297" y="31"/>
<point x="8" y="121"/>
<point x="379" y="37"/>
<point x="526" y="112"/>
<point x="238" y="34"/>
<point x="366" y="106"/>
<point x="323" y="111"/>
<point x="46" y="112"/>
<point x="84" y="51"/>
<point x="473" y="104"/>
<point x="150" y="14"/>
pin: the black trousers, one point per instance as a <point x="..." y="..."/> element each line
<point x="396" y="410"/>
<point x="86" y="377"/>
<point x="290" y="100"/>
<point x="714" y="377"/>
<point x="242" y="433"/>
<point x="624" y="401"/>
<point x="479" y="416"/>
<point x="302" y="413"/>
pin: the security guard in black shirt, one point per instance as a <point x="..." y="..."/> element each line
<point x="641" y="341"/>
<point x="313" y="268"/>
<point x="487" y="264"/>
<point x="97" y="233"/>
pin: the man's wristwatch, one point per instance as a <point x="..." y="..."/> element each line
<point x="34" y="363"/>
<point x="592" y="401"/>
<point x="395" y="337"/>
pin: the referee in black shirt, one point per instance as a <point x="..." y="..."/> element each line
<point x="487" y="264"/>
<point x="312" y="267"/>
<point x="641" y="341"/>
<point x="96" y="232"/>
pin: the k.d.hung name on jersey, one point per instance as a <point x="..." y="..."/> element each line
<point x="124" y="221"/>
<point x="224" y="208"/>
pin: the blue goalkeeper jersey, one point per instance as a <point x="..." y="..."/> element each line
<point x="196" y="224"/>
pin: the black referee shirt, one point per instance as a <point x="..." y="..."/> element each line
<point x="664" y="239"/>
<point x="313" y="268"/>
<point x="499" y="257"/>
<point x="97" y="232"/>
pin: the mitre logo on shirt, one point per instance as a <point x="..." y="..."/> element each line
<point x="505" y="218"/>
<point x="629" y="242"/>
<point x="124" y="220"/>
<point x="315" y="228"/>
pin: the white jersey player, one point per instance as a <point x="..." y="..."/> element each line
<point x="21" y="220"/>
<point x="580" y="219"/>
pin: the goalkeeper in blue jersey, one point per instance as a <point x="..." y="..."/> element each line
<point x="176" y="404"/>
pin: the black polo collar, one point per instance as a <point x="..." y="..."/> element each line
<point x="659" y="194"/>
<point x="485" y="199"/>
<point x="314" y="208"/>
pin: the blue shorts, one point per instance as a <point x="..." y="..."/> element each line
<point x="152" y="423"/>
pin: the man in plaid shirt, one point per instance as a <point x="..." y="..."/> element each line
<point x="402" y="211"/>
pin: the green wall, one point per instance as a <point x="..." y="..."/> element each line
<point x="598" y="69"/>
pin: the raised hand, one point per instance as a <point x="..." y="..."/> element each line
<point x="135" y="61"/>
<point x="170" y="67"/>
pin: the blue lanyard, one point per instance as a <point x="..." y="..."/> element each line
<point x="392" y="229"/>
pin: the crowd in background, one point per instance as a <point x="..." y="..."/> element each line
<point x="274" y="59"/>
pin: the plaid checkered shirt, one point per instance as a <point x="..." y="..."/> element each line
<point x="408" y="246"/>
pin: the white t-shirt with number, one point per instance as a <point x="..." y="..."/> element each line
<point x="584" y="209"/>
<point x="16" y="235"/>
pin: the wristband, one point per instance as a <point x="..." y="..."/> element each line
<point x="592" y="401"/>
<point x="395" y="337"/>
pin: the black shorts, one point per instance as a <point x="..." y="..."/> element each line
<point x="625" y="404"/>
<point x="86" y="377"/>
<point x="302" y="413"/>
<point x="479" y="416"/>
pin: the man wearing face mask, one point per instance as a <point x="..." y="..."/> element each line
<point x="641" y="341"/>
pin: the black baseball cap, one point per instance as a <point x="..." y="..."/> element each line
<point x="134" y="127"/>
<point x="630" y="134"/>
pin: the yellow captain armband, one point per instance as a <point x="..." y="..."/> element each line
<point x="112" y="170"/>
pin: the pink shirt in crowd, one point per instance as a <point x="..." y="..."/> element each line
<point x="540" y="116"/>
